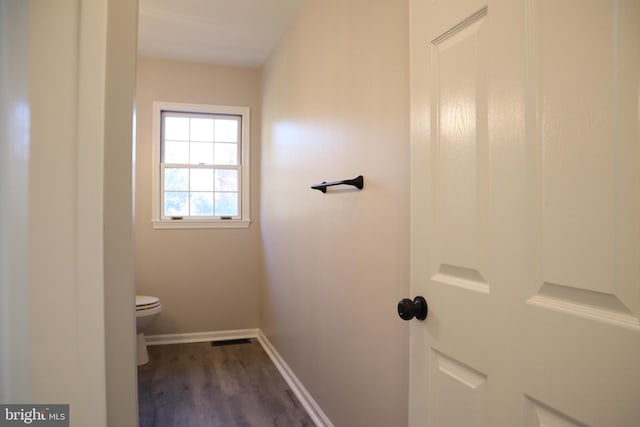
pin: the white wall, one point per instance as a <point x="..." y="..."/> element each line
<point x="119" y="264"/>
<point x="66" y="86"/>
<point x="335" y="105"/>
<point x="15" y="342"/>
<point x="51" y="242"/>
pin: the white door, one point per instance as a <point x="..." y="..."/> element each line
<point x="525" y="212"/>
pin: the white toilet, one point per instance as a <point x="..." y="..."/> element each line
<point x="147" y="309"/>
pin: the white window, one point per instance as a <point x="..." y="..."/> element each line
<point x="200" y="166"/>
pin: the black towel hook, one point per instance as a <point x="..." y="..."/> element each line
<point x="357" y="182"/>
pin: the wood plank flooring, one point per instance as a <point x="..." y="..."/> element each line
<point x="200" y="385"/>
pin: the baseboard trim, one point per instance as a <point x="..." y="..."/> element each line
<point x="313" y="409"/>
<point x="201" y="336"/>
<point x="306" y="400"/>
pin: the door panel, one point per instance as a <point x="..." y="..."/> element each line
<point x="539" y="415"/>
<point x="456" y="187"/>
<point x="453" y="378"/>
<point x="580" y="359"/>
<point x="460" y="151"/>
<point x="525" y="229"/>
<point x="583" y="163"/>
<point x="576" y="117"/>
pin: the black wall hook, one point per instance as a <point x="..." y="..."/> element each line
<point x="357" y="182"/>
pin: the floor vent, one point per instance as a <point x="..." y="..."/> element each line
<point x="230" y="342"/>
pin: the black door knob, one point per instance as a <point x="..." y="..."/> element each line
<point x="417" y="308"/>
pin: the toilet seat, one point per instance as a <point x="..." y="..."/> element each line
<point x="144" y="302"/>
<point x="147" y="309"/>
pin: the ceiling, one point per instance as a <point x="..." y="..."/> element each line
<point x="227" y="32"/>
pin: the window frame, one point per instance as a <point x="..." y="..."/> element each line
<point x="244" y="219"/>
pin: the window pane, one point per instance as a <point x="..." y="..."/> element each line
<point x="226" y="204"/>
<point x="199" y="165"/>
<point x="202" y="203"/>
<point x="202" y="130"/>
<point x="226" y="154"/>
<point x="201" y="153"/>
<point x="201" y="180"/>
<point x="176" y="179"/>
<point x="226" y="130"/>
<point x="226" y="180"/>
<point x="176" y="152"/>
<point x="175" y="203"/>
<point x="176" y="128"/>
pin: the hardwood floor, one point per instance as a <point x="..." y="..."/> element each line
<point x="200" y="385"/>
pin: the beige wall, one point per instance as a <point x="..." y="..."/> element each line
<point x="335" y="105"/>
<point x="207" y="279"/>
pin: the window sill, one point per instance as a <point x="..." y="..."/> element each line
<point x="182" y="224"/>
